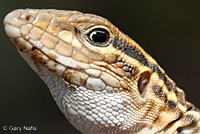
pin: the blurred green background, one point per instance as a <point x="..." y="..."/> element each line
<point x="167" y="30"/>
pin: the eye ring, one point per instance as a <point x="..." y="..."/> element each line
<point x="98" y="37"/>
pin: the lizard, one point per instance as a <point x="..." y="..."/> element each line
<point x="101" y="79"/>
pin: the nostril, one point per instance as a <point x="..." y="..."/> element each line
<point x="28" y="18"/>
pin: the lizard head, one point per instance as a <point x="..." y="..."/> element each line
<point x="81" y="42"/>
<point x="97" y="75"/>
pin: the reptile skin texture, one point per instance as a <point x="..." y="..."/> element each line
<point x="102" y="81"/>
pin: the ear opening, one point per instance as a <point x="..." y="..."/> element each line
<point x="143" y="82"/>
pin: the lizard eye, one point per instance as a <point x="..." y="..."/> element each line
<point x="98" y="37"/>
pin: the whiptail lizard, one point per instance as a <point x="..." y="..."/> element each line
<point x="102" y="81"/>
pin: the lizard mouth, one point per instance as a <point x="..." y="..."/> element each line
<point x="38" y="57"/>
<point x="40" y="47"/>
<point x="71" y="70"/>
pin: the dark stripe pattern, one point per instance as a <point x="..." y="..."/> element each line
<point x="136" y="54"/>
<point x="129" y="50"/>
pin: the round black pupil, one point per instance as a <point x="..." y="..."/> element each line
<point x="98" y="36"/>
